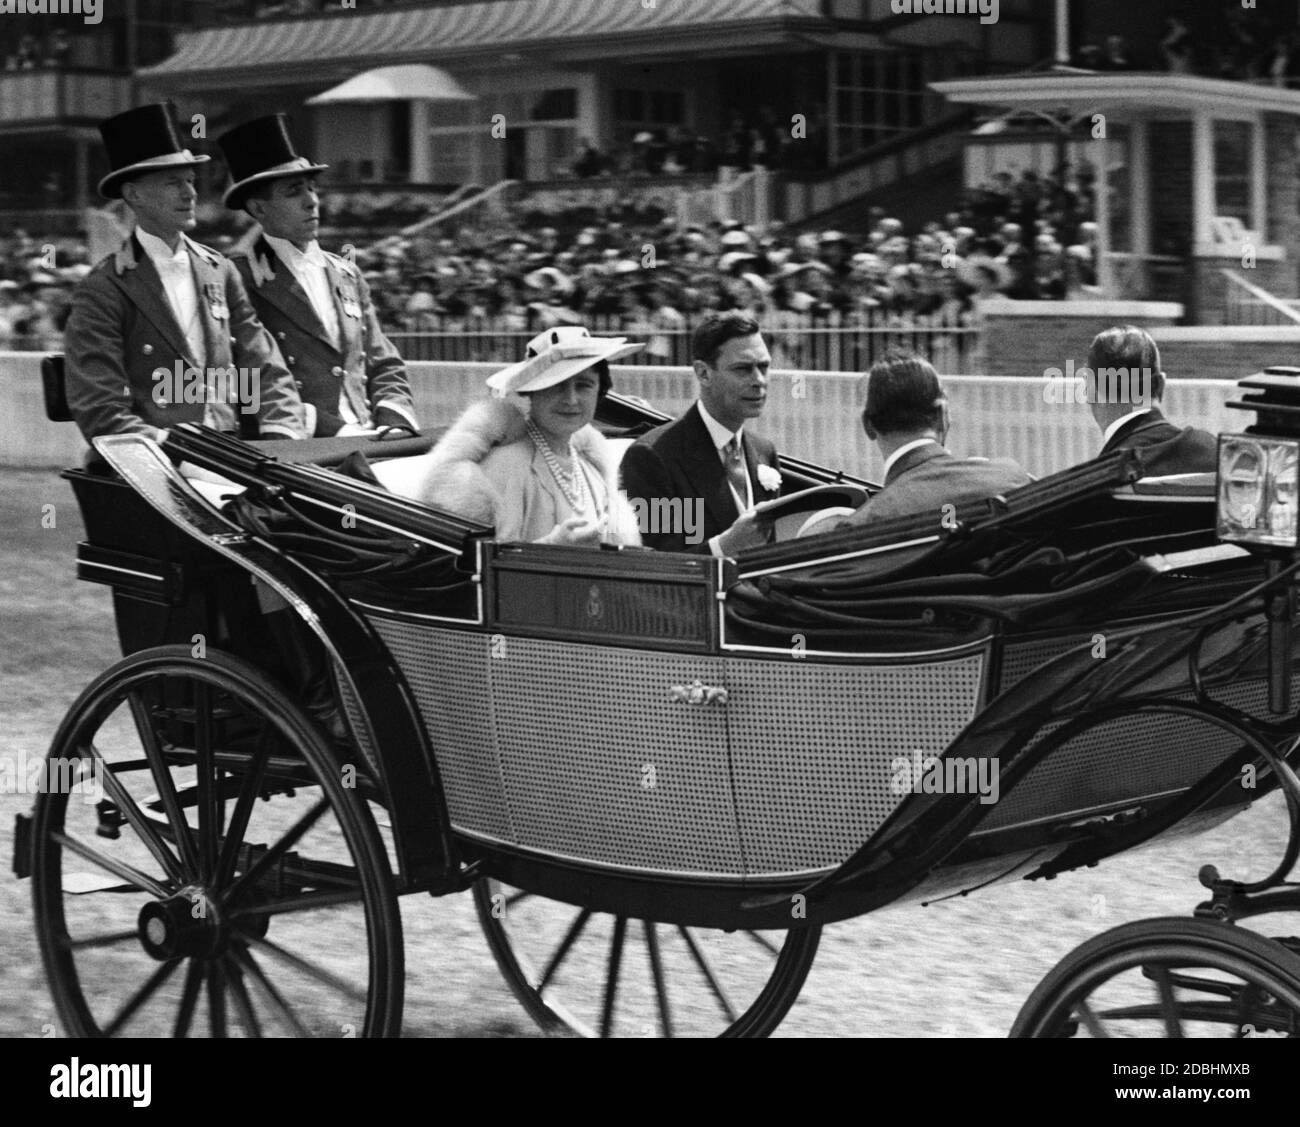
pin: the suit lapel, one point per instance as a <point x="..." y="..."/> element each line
<point x="285" y="292"/>
<point x="214" y="313"/>
<point x="703" y="469"/>
<point x="345" y="322"/>
<point x="141" y="283"/>
<point x="914" y="458"/>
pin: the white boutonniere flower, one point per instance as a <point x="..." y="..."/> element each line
<point x="769" y="478"/>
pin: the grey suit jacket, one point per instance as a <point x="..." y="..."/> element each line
<point x="364" y="366"/>
<point x="926" y="479"/>
<point x="121" y="331"/>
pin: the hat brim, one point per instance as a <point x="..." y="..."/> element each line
<point x="515" y="380"/>
<point x="110" y="187"/>
<point x="237" y="193"/>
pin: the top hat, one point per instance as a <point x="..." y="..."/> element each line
<point x="260" y="150"/>
<point x="138" y="141"/>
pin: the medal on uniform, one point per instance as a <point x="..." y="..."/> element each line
<point x="351" y="306"/>
<point x="216" y="296"/>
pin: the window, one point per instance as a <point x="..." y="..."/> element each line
<point x="1232" y="170"/>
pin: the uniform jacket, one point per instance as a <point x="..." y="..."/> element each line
<point x="367" y="368"/>
<point x="121" y="330"/>
<point x="1165" y="448"/>
<point x="679" y="460"/>
<point x="486" y="468"/>
<point x="926" y="479"/>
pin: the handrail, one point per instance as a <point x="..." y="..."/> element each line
<point x="447" y="213"/>
<point x="1263" y="295"/>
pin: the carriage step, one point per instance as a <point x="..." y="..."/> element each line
<point x="22" y="846"/>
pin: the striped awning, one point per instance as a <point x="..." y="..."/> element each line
<point x="273" y="51"/>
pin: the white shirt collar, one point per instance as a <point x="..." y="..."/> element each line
<point x="158" y="250"/>
<point x="312" y="256"/>
<point x="1111" y="430"/>
<point x="902" y="451"/>
<point x="721" y="435"/>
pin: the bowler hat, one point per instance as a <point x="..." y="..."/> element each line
<point x="258" y="151"/>
<point x="139" y="141"/>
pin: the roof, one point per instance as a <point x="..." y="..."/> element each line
<point x="270" y="51"/>
<point x="1139" y="91"/>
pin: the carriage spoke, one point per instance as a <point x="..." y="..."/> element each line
<point x="163" y="780"/>
<point x="118" y="868"/>
<point x="281" y="847"/>
<point x="566" y="945"/>
<point x="1168" y="1003"/>
<point x="244" y="804"/>
<point x="138" y="999"/>
<point x="1090" y="1019"/>
<point x="189" y="998"/>
<point x="217" y="999"/>
<point x="511" y="901"/>
<point x="1244" y="1006"/>
<point x="611" y="980"/>
<point x="106" y="940"/>
<point x="657" y="970"/>
<point x="143" y="826"/>
<point x="249" y="965"/>
<point x="763" y="941"/>
<point x="319" y="973"/>
<point x="714" y="985"/>
<point x="209" y="817"/>
<point x="243" y="1004"/>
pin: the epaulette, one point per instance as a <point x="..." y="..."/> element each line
<point x="346" y="265"/>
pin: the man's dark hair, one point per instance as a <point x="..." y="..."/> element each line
<point x="1133" y="349"/>
<point x="903" y="394"/>
<point x="714" y="332"/>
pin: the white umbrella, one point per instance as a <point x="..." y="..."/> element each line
<point x="397" y="84"/>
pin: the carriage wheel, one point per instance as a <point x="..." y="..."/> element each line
<point x="1171" y="978"/>
<point x="203" y="862"/>
<point x="588" y="973"/>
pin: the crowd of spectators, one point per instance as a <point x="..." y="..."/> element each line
<point x="37" y="52"/>
<point x="631" y="269"/>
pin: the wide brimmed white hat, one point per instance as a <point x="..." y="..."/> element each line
<point x="556" y="355"/>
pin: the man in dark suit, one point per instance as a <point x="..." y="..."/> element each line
<point x="1127" y="387"/>
<point x="701" y="475"/>
<point x="317" y="304"/>
<point x="907" y="417"/>
<point x="162" y="332"/>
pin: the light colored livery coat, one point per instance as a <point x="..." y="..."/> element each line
<point x="487" y="469"/>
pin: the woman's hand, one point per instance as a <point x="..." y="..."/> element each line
<point x="575" y="530"/>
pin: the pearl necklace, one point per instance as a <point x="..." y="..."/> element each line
<point x="572" y="483"/>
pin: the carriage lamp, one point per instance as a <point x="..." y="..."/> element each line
<point x="1259" y="484"/>
<point x="1257" y="493"/>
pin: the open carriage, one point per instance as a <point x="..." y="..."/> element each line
<point x="662" y="775"/>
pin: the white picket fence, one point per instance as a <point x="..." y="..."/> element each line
<point x="815" y="415"/>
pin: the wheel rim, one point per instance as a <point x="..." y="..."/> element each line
<point x="1187" y="978"/>
<point x="592" y="974"/>
<point x="209" y="871"/>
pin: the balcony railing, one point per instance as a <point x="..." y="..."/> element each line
<point x="42" y="97"/>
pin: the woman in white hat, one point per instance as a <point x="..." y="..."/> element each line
<point x="537" y="472"/>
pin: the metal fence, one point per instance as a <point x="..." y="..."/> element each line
<point x="830" y="344"/>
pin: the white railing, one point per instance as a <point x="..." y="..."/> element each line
<point x="816" y="415"/>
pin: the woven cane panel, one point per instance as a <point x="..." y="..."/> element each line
<point x="814" y="746"/>
<point x="1125" y="760"/>
<point x="357" y="721"/>
<point x="448" y="673"/>
<point x="598" y="764"/>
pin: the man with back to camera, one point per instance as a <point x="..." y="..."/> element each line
<point x="165" y="312"/>
<point x="906" y="415"/>
<point x="1128" y="386"/>
<point x="317" y="305"/>
<point x="705" y="462"/>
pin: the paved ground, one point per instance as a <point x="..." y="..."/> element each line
<point x="961" y="968"/>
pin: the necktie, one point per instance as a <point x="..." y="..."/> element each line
<point x="737" y="474"/>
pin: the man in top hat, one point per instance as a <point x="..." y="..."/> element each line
<point x="706" y="460"/>
<point x="162" y="332"/>
<point x="318" y="305"/>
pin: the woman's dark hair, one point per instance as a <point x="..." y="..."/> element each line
<point x="606" y="381"/>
